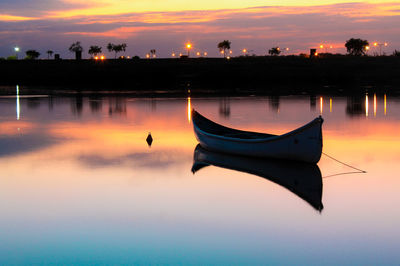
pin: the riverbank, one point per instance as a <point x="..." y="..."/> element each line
<point x="213" y="75"/>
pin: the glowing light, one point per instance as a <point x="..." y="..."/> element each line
<point x="331" y="46"/>
<point x="188" y="46"/>
<point x="228" y="57"/>
<point x="230" y="52"/>
<point x="374" y="105"/>
<point x="180" y="54"/>
<point x="278" y="49"/>
<point x="367" y="48"/>
<point x="316" y="54"/>
<point x="386" y="44"/>
<point x="330" y="105"/>
<point x="154" y="56"/>
<point x="384" y="104"/>
<point x="173" y="54"/>
<point x="375" y="44"/>
<point x="366" y="105"/>
<point x="321" y="46"/>
<point x="18" y="110"/>
<point x="205" y="53"/>
<point x="16" y="49"/>
<point x="244" y="50"/>
<point x="287" y="49"/>
<point x="198" y="54"/>
<point x="147" y="55"/>
<point x="96" y="58"/>
<point x="221" y="52"/>
<point x="189" y="110"/>
<point x="321" y="105"/>
<point x="102" y="57"/>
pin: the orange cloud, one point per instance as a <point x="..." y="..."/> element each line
<point x="11" y="18"/>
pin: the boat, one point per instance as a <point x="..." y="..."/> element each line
<point x="303" y="179"/>
<point x="302" y="144"/>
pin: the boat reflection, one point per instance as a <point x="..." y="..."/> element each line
<point x="303" y="179"/>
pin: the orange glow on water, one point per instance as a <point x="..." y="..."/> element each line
<point x="374" y="104"/>
<point x="330" y="105"/>
<point x="366" y="105"/>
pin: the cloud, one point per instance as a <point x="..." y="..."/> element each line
<point x="38" y="8"/>
<point x="135" y="160"/>
<point x="256" y="28"/>
<point x="12" y="145"/>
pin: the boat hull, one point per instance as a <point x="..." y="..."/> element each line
<point x="303" y="144"/>
<point x="303" y="179"/>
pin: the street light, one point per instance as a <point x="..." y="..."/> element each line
<point x="16" y="49"/>
<point x="380" y="46"/>
<point x="189" y="46"/>
<point x="324" y="46"/>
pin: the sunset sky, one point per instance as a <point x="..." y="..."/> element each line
<point x="166" y="25"/>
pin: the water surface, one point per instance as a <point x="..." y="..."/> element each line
<point x="79" y="184"/>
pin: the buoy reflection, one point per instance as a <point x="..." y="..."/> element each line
<point x="374" y="104"/>
<point x="366" y="105"/>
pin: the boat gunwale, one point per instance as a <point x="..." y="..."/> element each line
<point x="318" y="120"/>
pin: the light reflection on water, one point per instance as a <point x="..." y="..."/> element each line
<point x="79" y="184"/>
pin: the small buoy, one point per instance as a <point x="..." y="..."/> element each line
<point x="149" y="139"/>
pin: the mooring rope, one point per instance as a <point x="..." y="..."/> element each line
<point x="350" y="166"/>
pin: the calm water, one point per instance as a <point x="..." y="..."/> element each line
<point x="79" y="184"/>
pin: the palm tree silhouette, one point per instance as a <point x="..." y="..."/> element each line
<point x="94" y="50"/>
<point x="224" y="45"/>
<point x="49" y="53"/>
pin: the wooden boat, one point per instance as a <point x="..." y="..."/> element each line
<point x="303" y="179"/>
<point x="302" y="144"/>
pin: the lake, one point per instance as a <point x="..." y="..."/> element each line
<point x="79" y="184"/>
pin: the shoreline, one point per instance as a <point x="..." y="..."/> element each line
<point x="237" y="76"/>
